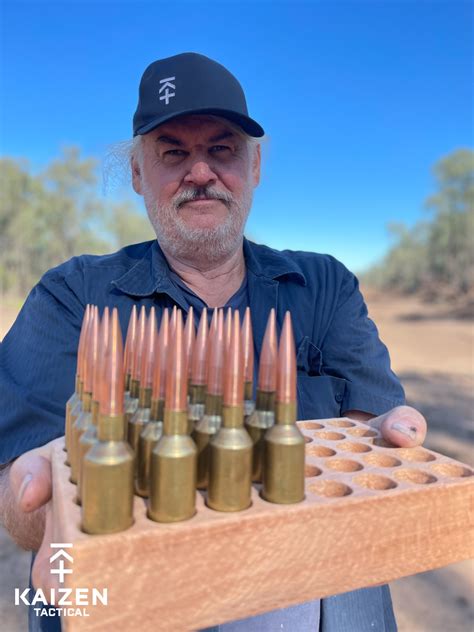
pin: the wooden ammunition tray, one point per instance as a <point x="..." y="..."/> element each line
<point x="372" y="514"/>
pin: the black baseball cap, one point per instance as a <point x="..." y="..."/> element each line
<point x="190" y="83"/>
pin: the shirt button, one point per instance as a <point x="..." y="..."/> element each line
<point x="339" y="397"/>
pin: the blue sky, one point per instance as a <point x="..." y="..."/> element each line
<point x="359" y="98"/>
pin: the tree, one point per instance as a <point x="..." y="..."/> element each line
<point x="49" y="217"/>
<point x="437" y="256"/>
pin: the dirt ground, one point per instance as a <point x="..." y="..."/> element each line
<point x="433" y="353"/>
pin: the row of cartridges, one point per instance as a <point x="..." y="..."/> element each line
<point x="173" y="412"/>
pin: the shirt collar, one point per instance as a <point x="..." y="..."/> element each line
<point x="151" y="273"/>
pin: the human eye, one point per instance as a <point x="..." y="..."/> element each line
<point x="219" y="149"/>
<point x="175" y="152"/>
<point x="172" y="156"/>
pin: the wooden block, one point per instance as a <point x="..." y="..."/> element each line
<point x="372" y="514"/>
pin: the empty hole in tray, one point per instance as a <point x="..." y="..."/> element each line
<point x="354" y="447"/>
<point x="381" y="460"/>
<point x="415" y="476"/>
<point x="330" y="436"/>
<point x="451" y="469"/>
<point x="361" y="432"/>
<point x="320" y="450"/>
<point x="307" y="439"/>
<point x="330" y="489"/>
<point x="341" y="423"/>
<point x="311" y="470"/>
<point x="383" y="443"/>
<point x="415" y="454"/>
<point x="310" y="425"/>
<point x="374" y="481"/>
<point x="343" y="465"/>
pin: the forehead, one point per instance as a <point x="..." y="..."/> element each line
<point x="193" y="127"/>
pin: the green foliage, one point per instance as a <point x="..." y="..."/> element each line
<point x="50" y="217"/>
<point x="436" y="257"/>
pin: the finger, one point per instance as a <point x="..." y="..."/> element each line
<point x="30" y="479"/>
<point x="404" y="426"/>
<point x="41" y="576"/>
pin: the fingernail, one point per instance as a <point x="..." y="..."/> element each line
<point x="409" y="431"/>
<point x="24" y="484"/>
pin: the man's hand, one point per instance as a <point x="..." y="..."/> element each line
<point x="402" y="426"/>
<point x="26" y="509"/>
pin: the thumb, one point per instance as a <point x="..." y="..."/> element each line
<point x="30" y="478"/>
<point x="402" y="426"/>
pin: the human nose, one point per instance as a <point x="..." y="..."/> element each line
<point x="200" y="174"/>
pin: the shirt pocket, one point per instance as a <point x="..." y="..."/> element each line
<point x="319" y="396"/>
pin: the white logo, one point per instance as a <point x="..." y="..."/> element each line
<point x="61" y="570"/>
<point x="62" y="597"/>
<point x="167" y="85"/>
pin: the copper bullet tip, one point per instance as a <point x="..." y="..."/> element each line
<point x="130" y="341"/>
<point x="92" y="351"/>
<point x="104" y="332"/>
<point x="82" y="338"/>
<point x="174" y="315"/>
<point x="148" y="354"/>
<point x="234" y="367"/>
<point x="286" y="382"/>
<point x="177" y="377"/>
<point x="189" y="340"/>
<point x="215" y="367"/>
<point x="228" y="329"/>
<point x="139" y="345"/>
<point x="161" y="355"/>
<point x="267" y="374"/>
<point x="199" y="361"/>
<point x="247" y="346"/>
<point x="112" y="392"/>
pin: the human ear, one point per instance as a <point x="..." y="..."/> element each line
<point x="136" y="175"/>
<point x="256" y="165"/>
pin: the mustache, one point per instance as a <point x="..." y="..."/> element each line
<point x="196" y="193"/>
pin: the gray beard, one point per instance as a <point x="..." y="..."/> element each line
<point x="211" y="245"/>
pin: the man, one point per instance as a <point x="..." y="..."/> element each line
<point x="196" y="161"/>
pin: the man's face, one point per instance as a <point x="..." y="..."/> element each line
<point x="197" y="179"/>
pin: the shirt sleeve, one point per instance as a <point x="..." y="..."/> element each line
<point x="38" y="366"/>
<point x="352" y="350"/>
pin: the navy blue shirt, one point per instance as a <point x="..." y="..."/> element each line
<point x="342" y="364"/>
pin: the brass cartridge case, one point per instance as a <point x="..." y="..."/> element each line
<point x="71" y="402"/>
<point x="107" y="490"/>
<point x="86" y="441"/>
<point x="283" y="459"/>
<point x="230" y="472"/>
<point x="130" y="405"/>
<point x="249" y="404"/>
<point x="173" y="472"/>
<point x="197" y="397"/>
<point x="138" y="420"/>
<point x="81" y="424"/>
<point x="71" y="419"/>
<point x="256" y="425"/>
<point x="149" y="438"/>
<point x="205" y="428"/>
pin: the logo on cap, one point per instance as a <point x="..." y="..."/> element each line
<point x="167" y="87"/>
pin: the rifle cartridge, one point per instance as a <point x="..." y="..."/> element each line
<point x="230" y="464"/>
<point x="284" y="445"/>
<point x="108" y="468"/>
<point x="173" y="460"/>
